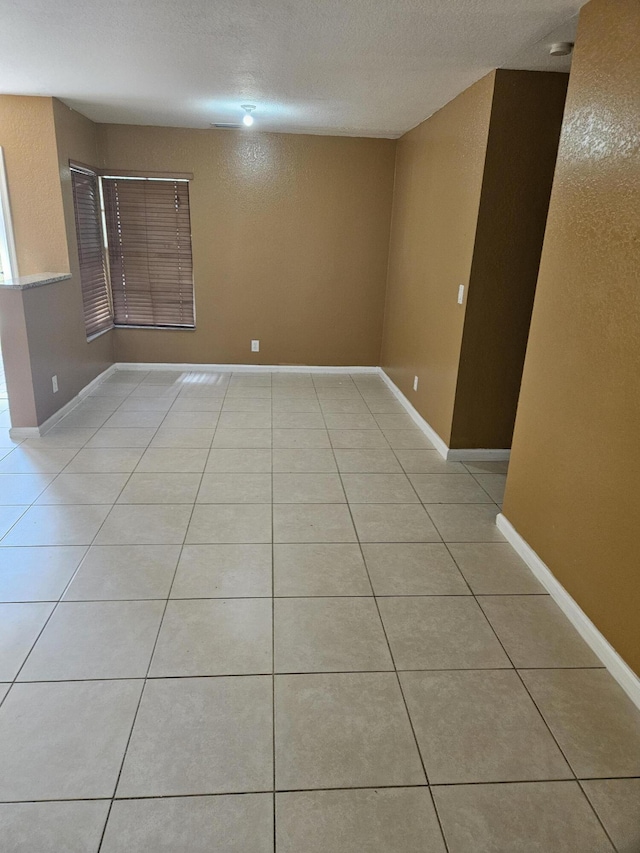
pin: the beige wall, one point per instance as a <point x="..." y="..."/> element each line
<point x="435" y="209"/>
<point x="290" y="242"/>
<point x="526" y="117"/>
<point x="27" y="135"/>
<point x="572" y="489"/>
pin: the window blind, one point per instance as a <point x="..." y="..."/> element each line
<point x="149" y="239"/>
<point x="96" y="301"/>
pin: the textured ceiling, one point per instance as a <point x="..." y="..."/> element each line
<point x="354" y="67"/>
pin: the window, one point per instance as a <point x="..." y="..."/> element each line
<point x="96" y="299"/>
<point x="149" y="243"/>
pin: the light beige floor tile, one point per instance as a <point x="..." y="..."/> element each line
<point x="307" y="488"/>
<point x="180" y="460"/>
<point x="72" y="827"/>
<point x="319" y="569"/>
<point x="163" y="392"/>
<point x="332" y="380"/>
<point x="385" y="820"/>
<point x="113" y="389"/>
<point x="229" y="823"/>
<point x="135" y="420"/>
<point x="393" y="523"/>
<point x="480" y="726"/>
<point x="20" y="625"/>
<point x="9" y="515"/>
<point x="95" y="639"/>
<point x="117" y="460"/>
<point x="616" y="804"/>
<point x="124" y="572"/>
<point x="248" y="380"/>
<point x="190" y="420"/>
<point x="298" y="420"/>
<point x="494" y="568"/>
<point x="249" y="391"/>
<point x="37" y="574"/>
<point x="246" y="404"/>
<point x="300" y="438"/>
<point x="357" y="439"/>
<point x="303" y="461"/>
<point x="363" y="420"/>
<point x="242" y="438"/>
<point x="91" y="721"/>
<point x="295" y="404"/>
<point x="61" y="436"/>
<point x="312" y="523"/>
<point x="170" y="488"/>
<point x="201" y="734"/>
<point x="488" y="467"/>
<point x="427" y="461"/>
<point x="234" y="488"/>
<point x="592" y="719"/>
<point x="338" y="406"/>
<point x="197" y="404"/>
<point x="219" y="636"/>
<point x="94" y="488"/>
<point x="144" y="524"/>
<point x="34" y="461"/>
<point x="329" y="635"/>
<point x="413" y="568"/>
<point x="394" y="421"/>
<point x="245" y="420"/>
<point x="440" y="632"/>
<point x="407" y="439"/>
<point x="528" y="818"/>
<point x="378" y="489"/>
<point x="466" y="522"/>
<point x="535" y="632"/>
<point x="367" y="462"/>
<point x="57" y="525"/>
<point x="493" y="484"/>
<point x="230" y="523"/>
<point x="4" y="689"/>
<point x="147" y="404"/>
<point x="448" y="489"/>
<point x="223" y="571"/>
<point x="122" y="437"/>
<point x="385" y="405"/>
<point x="168" y="437"/>
<point x="343" y="730"/>
<point x="89" y="418"/>
<point x="256" y="461"/>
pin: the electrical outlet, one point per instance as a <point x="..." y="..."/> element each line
<point x="415" y="383"/>
<point x="255" y="346"/>
<point x="461" y="294"/>
<point x="54" y="383"/>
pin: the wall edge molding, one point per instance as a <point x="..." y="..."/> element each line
<point x="240" y="368"/>
<point x="472" y="454"/>
<point x="619" y="669"/>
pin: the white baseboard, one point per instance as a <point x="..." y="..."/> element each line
<point x="472" y="454"/>
<point x="242" y="368"/>
<point x="621" y="671"/>
<point x="36" y="432"/>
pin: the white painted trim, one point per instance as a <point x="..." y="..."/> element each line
<point x="242" y="368"/>
<point x="458" y="455"/>
<point x="478" y="454"/>
<point x="621" y="671"/>
<point x="8" y="255"/>
<point x="36" y="432"/>
<point x="439" y="444"/>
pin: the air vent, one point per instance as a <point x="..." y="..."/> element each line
<point x="226" y="125"/>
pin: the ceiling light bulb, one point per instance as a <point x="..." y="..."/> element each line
<point x="248" y="118"/>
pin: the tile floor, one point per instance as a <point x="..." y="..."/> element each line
<point x="252" y="612"/>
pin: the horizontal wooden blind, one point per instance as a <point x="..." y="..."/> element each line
<point x="96" y="300"/>
<point x="149" y="239"/>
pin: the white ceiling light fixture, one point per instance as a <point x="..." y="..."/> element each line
<point x="247" y="121"/>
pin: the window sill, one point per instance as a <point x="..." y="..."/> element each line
<point x="100" y="334"/>
<point x="159" y="328"/>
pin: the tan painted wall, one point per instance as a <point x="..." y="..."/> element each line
<point x="435" y="209"/>
<point x="290" y="243"/>
<point x="27" y="135"/>
<point x="526" y="117"/>
<point x="572" y="489"/>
